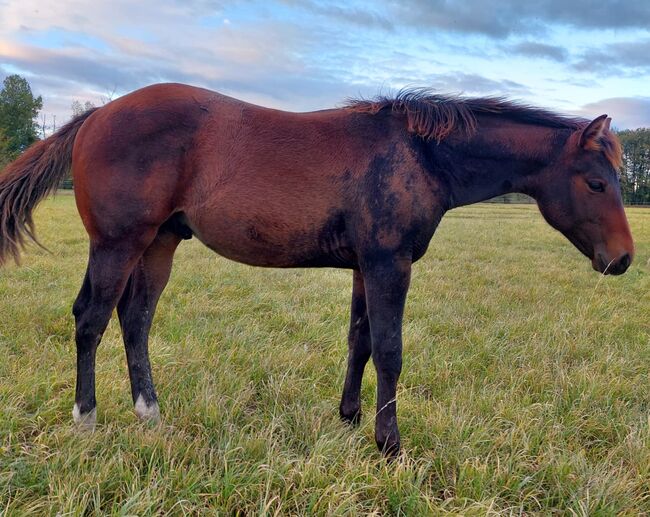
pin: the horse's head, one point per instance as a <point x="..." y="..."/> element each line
<point x="580" y="196"/>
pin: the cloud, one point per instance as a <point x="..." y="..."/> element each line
<point x="361" y="15"/>
<point x="263" y="60"/>
<point x="503" y="18"/>
<point x="626" y="112"/>
<point x="620" y="57"/>
<point x="475" y="84"/>
<point x="539" y="50"/>
<point x="310" y="54"/>
<point x="82" y="67"/>
<point x="266" y="60"/>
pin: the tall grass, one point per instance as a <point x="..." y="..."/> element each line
<point x="525" y="386"/>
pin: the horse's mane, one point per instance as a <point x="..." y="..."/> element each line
<point x="434" y="116"/>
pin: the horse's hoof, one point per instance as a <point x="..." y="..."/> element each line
<point x="147" y="413"/>
<point x="389" y="448"/>
<point x="353" y="419"/>
<point x="84" y="421"/>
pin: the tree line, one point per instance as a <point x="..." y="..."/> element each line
<point x="19" y="110"/>
<point x="635" y="173"/>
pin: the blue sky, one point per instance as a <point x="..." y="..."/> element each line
<point x="576" y="56"/>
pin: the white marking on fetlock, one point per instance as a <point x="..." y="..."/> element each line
<point x="147" y="413"/>
<point x="87" y="421"/>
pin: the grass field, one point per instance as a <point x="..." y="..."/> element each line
<point x="525" y="387"/>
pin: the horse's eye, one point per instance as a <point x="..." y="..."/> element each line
<point x="596" y="185"/>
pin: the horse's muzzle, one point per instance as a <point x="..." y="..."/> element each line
<point x="617" y="266"/>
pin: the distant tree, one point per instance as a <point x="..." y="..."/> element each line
<point x="79" y="109"/>
<point x="18" y="112"/>
<point x="4" y="150"/>
<point x="635" y="174"/>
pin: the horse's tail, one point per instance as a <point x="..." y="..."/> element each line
<point x="29" y="179"/>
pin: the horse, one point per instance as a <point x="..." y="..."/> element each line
<point x="361" y="187"/>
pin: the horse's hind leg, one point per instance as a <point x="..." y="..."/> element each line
<point x="359" y="350"/>
<point x="136" y="310"/>
<point x="109" y="266"/>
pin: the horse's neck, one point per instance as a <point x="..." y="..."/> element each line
<point x="499" y="159"/>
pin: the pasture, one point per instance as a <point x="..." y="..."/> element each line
<point x="525" y="386"/>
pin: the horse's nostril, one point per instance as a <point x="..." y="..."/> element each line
<point x="625" y="261"/>
<point x="615" y="267"/>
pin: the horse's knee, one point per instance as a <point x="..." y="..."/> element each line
<point x="388" y="361"/>
<point x="78" y="308"/>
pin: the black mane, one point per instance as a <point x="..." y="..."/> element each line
<point x="433" y="116"/>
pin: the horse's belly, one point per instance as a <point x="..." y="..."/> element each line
<point x="259" y="242"/>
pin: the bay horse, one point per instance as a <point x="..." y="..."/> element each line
<point x="362" y="187"/>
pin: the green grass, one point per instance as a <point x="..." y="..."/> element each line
<point x="525" y="387"/>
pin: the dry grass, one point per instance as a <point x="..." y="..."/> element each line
<point x="525" y="384"/>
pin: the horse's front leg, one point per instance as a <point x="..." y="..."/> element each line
<point x="358" y="353"/>
<point x="386" y="285"/>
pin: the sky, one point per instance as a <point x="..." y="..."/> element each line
<point x="575" y="56"/>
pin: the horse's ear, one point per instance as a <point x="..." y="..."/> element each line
<point x="592" y="133"/>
